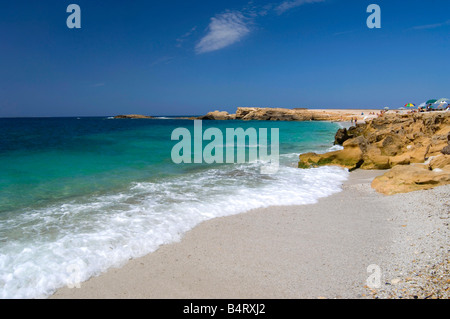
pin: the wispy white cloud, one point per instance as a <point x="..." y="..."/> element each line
<point x="224" y="30"/>
<point x="162" y="60"/>
<point x="290" y="4"/>
<point x="431" y="26"/>
<point x="96" y="85"/>
<point x="184" y="37"/>
<point x="230" y="27"/>
<point x="265" y="9"/>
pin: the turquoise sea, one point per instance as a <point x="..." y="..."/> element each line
<point x="81" y="195"/>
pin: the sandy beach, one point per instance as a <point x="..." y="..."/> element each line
<point x="313" y="251"/>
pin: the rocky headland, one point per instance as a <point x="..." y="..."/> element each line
<point x="414" y="147"/>
<point x="282" y="114"/>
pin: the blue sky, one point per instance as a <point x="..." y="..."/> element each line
<point x="190" y="57"/>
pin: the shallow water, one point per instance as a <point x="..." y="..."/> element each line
<point x="78" y="196"/>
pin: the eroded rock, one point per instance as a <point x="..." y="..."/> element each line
<point x="218" y="115"/>
<point x="415" y="146"/>
<point x="407" y="178"/>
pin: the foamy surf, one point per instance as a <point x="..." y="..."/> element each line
<point x="62" y="244"/>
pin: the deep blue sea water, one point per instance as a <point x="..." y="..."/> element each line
<point x="80" y="195"/>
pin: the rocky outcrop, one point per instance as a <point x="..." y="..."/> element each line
<point x="394" y="141"/>
<point x="341" y="136"/>
<point x="281" y="114"/>
<point x="133" y="116"/>
<point x="407" y="178"/>
<point x="272" y="114"/>
<point x="217" y="115"/>
<point x="387" y="141"/>
<point x="344" y="134"/>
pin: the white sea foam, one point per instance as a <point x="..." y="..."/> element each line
<point x="55" y="246"/>
<point x="335" y="148"/>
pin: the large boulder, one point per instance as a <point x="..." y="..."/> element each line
<point x="446" y="149"/>
<point x="341" y="136"/>
<point x="407" y="178"/>
<point x="439" y="162"/>
<point x="350" y="157"/>
<point x="374" y="158"/>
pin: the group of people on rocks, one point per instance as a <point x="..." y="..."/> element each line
<point x="428" y="108"/>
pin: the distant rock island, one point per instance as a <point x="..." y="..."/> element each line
<point x="133" y="116"/>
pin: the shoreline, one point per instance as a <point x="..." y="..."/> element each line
<point x="312" y="251"/>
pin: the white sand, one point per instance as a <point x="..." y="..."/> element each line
<point x="311" y="251"/>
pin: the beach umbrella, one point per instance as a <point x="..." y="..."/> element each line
<point x="410" y="105"/>
<point x="440" y="101"/>
<point x="443" y="105"/>
<point x="423" y="104"/>
<point x="431" y="101"/>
